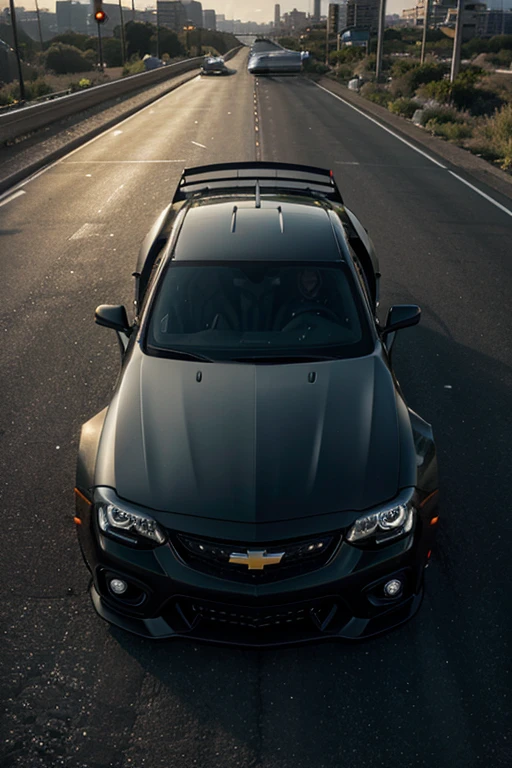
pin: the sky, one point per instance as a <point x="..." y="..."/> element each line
<point x="261" y="11"/>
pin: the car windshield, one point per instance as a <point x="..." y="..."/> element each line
<point x="262" y="310"/>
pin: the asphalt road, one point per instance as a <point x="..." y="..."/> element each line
<point x="78" y="693"/>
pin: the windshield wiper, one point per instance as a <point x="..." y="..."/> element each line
<point x="182" y="354"/>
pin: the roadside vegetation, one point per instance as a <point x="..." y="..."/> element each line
<point x="69" y="62"/>
<point x="474" y="112"/>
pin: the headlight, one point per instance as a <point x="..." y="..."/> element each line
<point x="384" y="525"/>
<point x="120" y="523"/>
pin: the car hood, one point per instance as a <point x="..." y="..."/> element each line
<point x="252" y="443"/>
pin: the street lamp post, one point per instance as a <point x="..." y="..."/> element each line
<point x="457" y="43"/>
<point x="425" y="27"/>
<point x="380" y="39"/>
<point x="39" y="25"/>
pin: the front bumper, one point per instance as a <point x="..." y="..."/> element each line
<point x="341" y="599"/>
<point x="280" y="625"/>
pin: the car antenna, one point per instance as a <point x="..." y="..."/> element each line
<point x="258" y="198"/>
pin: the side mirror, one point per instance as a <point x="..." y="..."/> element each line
<point x="401" y="316"/>
<point x="113" y="316"/>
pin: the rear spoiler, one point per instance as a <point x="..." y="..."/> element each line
<point x="248" y="176"/>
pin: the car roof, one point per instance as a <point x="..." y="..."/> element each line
<point x="241" y="230"/>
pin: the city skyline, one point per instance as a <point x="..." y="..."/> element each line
<point x="260" y="11"/>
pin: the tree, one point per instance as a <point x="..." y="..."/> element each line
<point x="72" y="38"/>
<point x="138" y="38"/>
<point x="64" y="59"/>
<point x="113" y="52"/>
<point x="169" y="43"/>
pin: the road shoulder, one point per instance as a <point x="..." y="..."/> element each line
<point x="458" y="159"/>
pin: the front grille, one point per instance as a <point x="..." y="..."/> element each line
<point x="213" y="557"/>
<point x="249" y="624"/>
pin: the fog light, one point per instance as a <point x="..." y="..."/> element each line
<point x="393" y="588"/>
<point x="118" y="586"/>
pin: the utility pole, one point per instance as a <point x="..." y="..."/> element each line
<point x="457" y="43"/>
<point x="157" y="32"/>
<point x="123" y="41"/>
<point x="39" y="25"/>
<point x="425" y="27"/>
<point x="380" y="40"/>
<point x="133" y="10"/>
<point x="17" y="49"/>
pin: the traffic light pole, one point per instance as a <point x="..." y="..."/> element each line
<point x="100" y="48"/>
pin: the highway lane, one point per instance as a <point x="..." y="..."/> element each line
<point x="81" y="694"/>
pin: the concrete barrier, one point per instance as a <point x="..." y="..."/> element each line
<point x="17" y="122"/>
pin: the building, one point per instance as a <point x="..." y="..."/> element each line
<point x="343" y="14"/>
<point x="209" y="21"/>
<point x="28" y="22"/>
<point x="477" y="21"/>
<point x="437" y="14"/>
<point x="317" y="11"/>
<point x="194" y="12"/>
<point x="294" y="21"/>
<point x="363" y="14"/>
<point x="277" y="16"/>
<point x="171" y="14"/>
<point x="73" y="17"/>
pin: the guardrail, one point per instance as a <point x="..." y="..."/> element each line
<point x="18" y="122"/>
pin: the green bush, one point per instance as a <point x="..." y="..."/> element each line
<point x="450" y="131"/>
<point x="83" y="83"/>
<point x="404" y="107"/>
<point x="133" y="67"/>
<point x="64" y="59"/>
<point x="37" y="88"/>
<point x="498" y="130"/>
<point x="440" y="115"/>
<point x="344" y="72"/>
<point x="314" y="66"/>
<point x="402" y="66"/>
<point x="375" y="93"/>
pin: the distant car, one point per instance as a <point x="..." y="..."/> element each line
<point x="214" y="64"/>
<point x="257" y="477"/>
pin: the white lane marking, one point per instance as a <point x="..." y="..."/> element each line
<point x="345" y="162"/>
<point x="455" y="175"/>
<point x="479" y="192"/>
<point x="86" y="230"/>
<point x="114" y="162"/>
<point x="12" y="197"/>
<point x="116" y="133"/>
<point x="36" y="175"/>
<point x="198" y="144"/>
<point x="388" y="130"/>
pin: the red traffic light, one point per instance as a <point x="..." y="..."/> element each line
<point x="100" y="17"/>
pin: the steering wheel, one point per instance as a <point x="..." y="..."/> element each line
<point x="318" y="309"/>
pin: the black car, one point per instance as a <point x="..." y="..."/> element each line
<point x="257" y="477"/>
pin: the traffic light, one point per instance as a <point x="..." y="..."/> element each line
<point x="100" y="17"/>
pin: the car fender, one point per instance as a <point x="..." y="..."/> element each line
<point x="88" y="451"/>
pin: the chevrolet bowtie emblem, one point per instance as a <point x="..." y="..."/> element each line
<point x="255" y="559"/>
